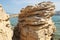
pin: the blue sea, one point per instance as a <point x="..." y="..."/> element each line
<point x="55" y="18"/>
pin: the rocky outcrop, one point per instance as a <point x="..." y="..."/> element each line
<point x="5" y="27"/>
<point x="14" y="15"/>
<point x="35" y="22"/>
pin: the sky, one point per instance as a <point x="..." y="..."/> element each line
<point x="14" y="6"/>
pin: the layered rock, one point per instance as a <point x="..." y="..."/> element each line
<point x="6" y="32"/>
<point x="35" y="22"/>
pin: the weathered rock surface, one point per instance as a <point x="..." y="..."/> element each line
<point x="6" y="32"/>
<point x="35" y="22"/>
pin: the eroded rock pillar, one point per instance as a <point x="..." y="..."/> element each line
<point x="35" y="22"/>
<point x="6" y="32"/>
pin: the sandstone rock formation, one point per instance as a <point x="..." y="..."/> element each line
<point x="6" y="32"/>
<point x="35" y="22"/>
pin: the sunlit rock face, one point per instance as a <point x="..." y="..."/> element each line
<point x="35" y="22"/>
<point x="6" y="32"/>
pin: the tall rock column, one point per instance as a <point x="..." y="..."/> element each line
<point x="35" y="22"/>
<point x="6" y="32"/>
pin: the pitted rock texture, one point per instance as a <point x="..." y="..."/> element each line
<point x="6" y="32"/>
<point x="35" y="22"/>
